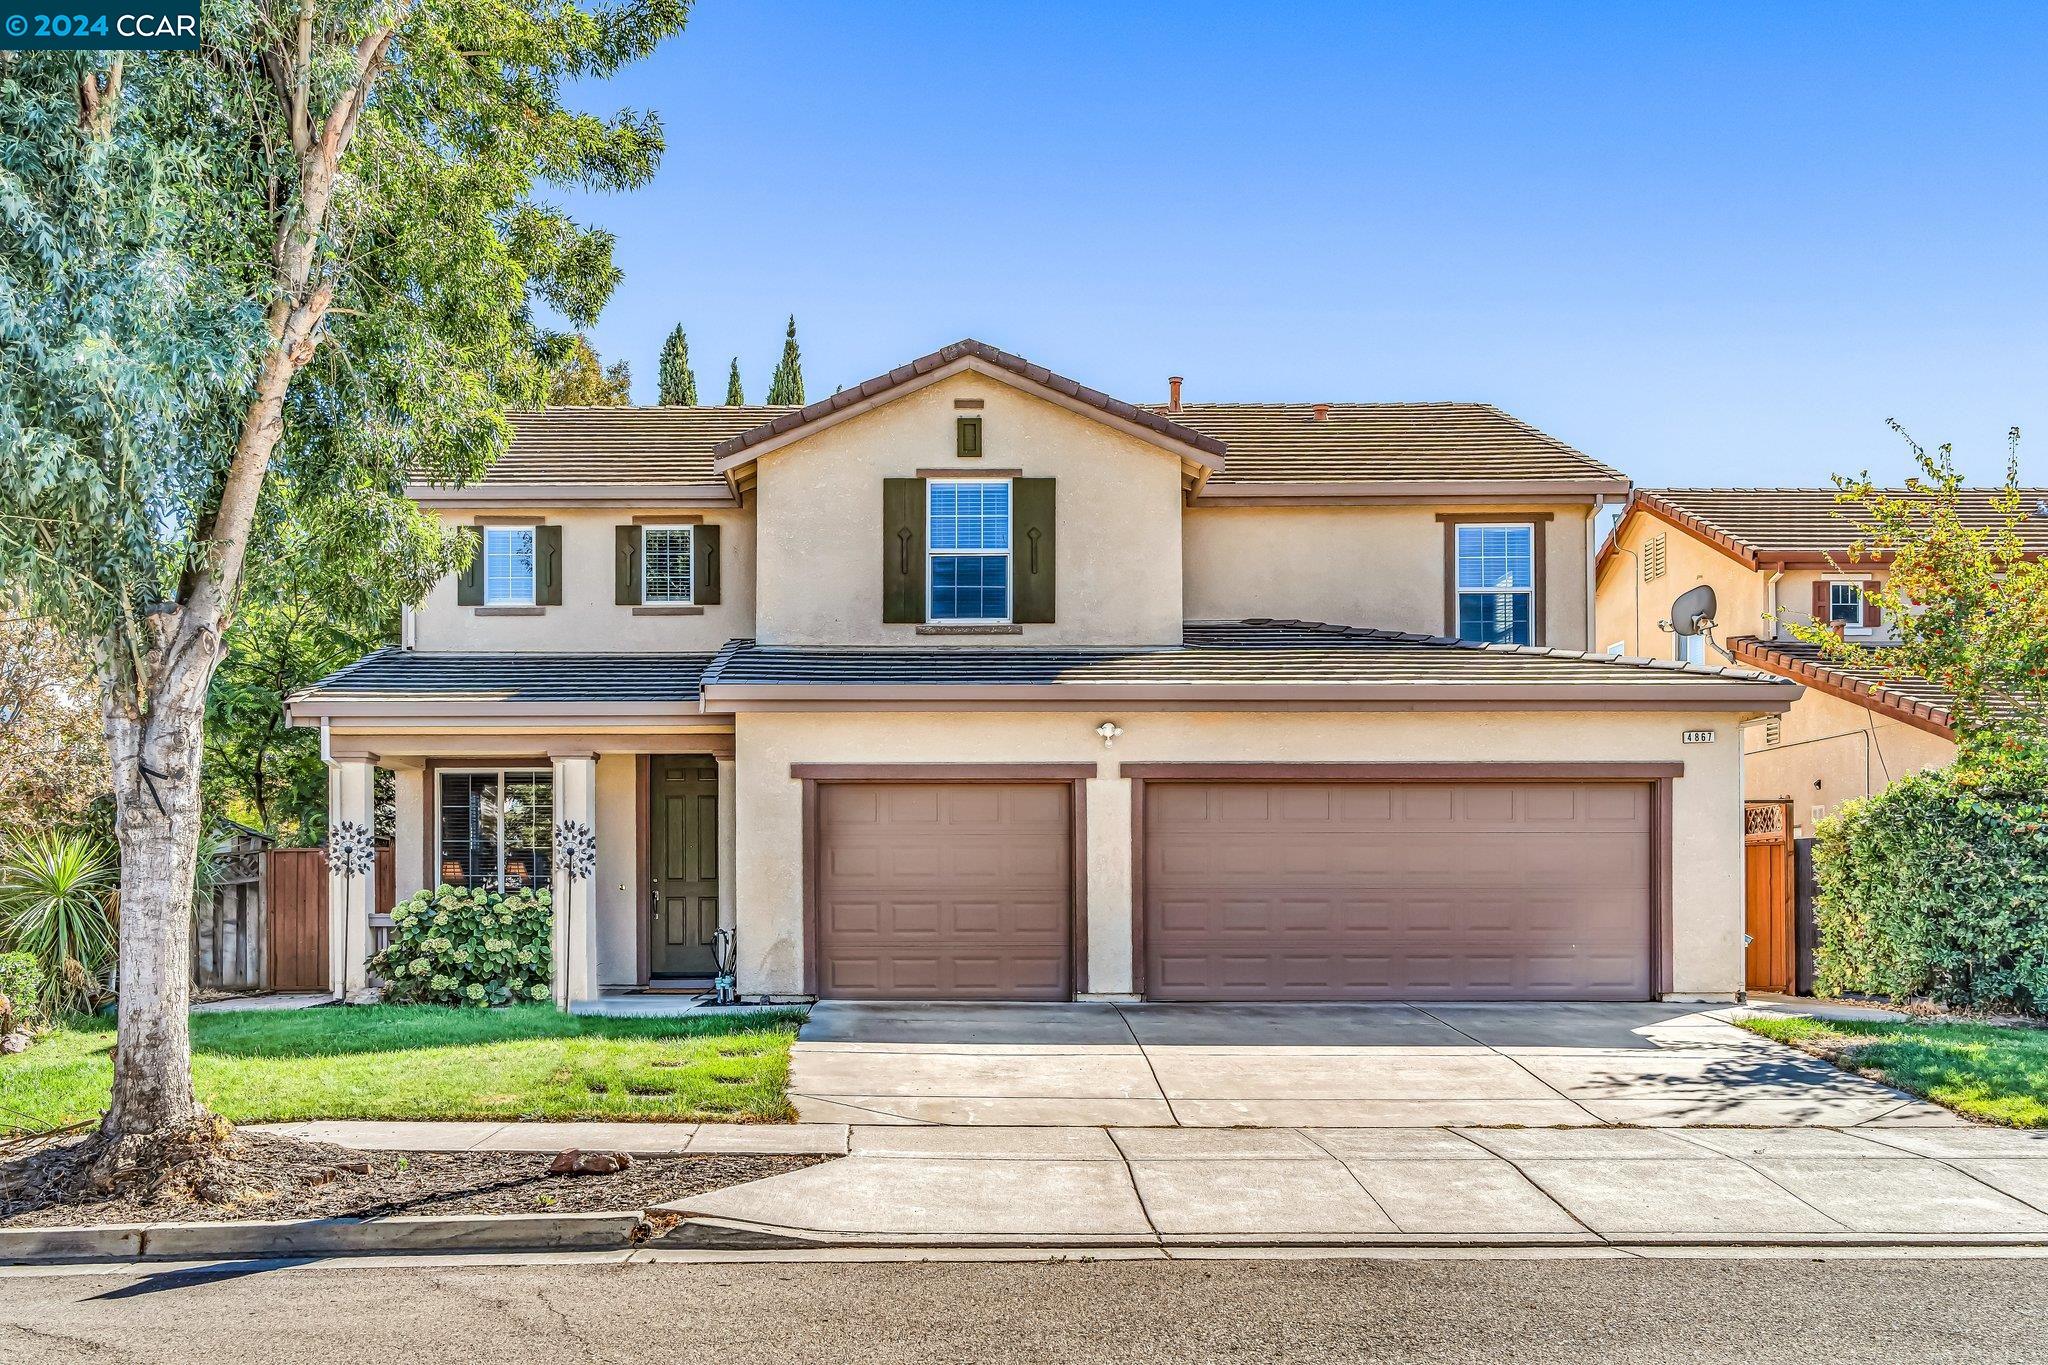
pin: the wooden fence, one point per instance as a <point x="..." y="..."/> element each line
<point x="229" y="930"/>
<point x="297" y="885"/>
<point x="1767" y="875"/>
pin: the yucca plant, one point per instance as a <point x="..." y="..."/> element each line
<point x="57" y="903"/>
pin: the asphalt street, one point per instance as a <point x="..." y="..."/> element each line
<point x="1753" y="1310"/>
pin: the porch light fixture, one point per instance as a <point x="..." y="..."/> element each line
<point x="1109" y="730"/>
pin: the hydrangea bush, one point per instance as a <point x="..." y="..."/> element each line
<point x="468" y="946"/>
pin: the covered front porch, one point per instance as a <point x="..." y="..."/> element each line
<point x="617" y="800"/>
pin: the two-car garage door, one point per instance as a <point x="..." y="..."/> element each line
<point x="1251" y="890"/>
<point x="1397" y="891"/>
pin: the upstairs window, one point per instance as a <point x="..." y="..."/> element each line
<point x="968" y="540"/>
<point x="1845" y="604"/>
<point x="1496" y="579"/>
<point x="667" y="551"/>
<point x="508" y="566"/>
<point x="497" y="828"/>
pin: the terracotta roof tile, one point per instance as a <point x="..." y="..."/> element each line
<point x="1768" y="522"/>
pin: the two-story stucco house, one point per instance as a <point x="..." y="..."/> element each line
<point x="1778" y="557"/>
<point x="973" y="682"/>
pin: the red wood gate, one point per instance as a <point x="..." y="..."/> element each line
<point x="297" y="895"/>
<point x="1768" y="885"/>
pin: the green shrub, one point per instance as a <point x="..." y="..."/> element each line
<point x="469" y="946"/>
<point x="21" y="989"/>
<point x="56" y="897"/>
<point x="1938" y="885"/>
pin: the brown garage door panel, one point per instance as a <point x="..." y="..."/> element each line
<point x="1354" y="891"/>
<point x="944" y="891"/>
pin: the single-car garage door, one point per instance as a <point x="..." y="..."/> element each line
<point x="944" y="891"/>
<point x="1355" y="891"/>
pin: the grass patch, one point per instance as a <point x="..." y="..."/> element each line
<point x="427" y="1062"/>
<point x="1988" y="1071"/>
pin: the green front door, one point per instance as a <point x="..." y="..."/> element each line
<point x="683" y="857"/>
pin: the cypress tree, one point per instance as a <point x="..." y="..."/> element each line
<point x="788" y="384"/>
<point x="678" y="381"/>
<point x="735" y="396"/>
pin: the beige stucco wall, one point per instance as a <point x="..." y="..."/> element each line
<point x="589" y="619"/>
<point x="1706" y="814"/>
<point x="1360" y="566"/>
<point x="1830" y="750"/>
<point x="819" y="502"/>
<point x="1628" y="609"/>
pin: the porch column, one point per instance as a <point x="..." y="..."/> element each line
<point x="575" y="944"/>
<point x="351" y="801"/>
<point x="728" y="848"/>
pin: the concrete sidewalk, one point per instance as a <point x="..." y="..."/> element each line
<point x="1103" y="1186"/>
<point x="1074" y="1186"/>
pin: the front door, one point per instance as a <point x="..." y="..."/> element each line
<point x="682" y="854"/>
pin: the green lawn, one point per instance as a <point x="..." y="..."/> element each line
<point x="425" y="1062"/>
<point x="1984" y="1070"/>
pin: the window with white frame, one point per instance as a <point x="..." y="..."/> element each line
<point x="496" y="827"/>
<point x="667" y="565"/>
<point x="508" y="566"/>
<point x="1496" y="577"/>
<point x="1689" y="649"/>
<point x="1845" y="604"/>
<point x="968" y="540"/>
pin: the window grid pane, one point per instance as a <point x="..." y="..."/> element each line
<point x="968" y="531"/>
<point x="1845" y="603"/>
<point x="469" y="821"/>
<point x="666" y="557"/>
<point x="1497" y="557"/>
<point x="508" y="565"/>
<point x="1494" y="618"/>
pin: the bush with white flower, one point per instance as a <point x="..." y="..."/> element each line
<point x="473" y="946"/>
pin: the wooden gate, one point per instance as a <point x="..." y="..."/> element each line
<point x="298" y="914"/>
<point x="228" y="951"/>
<point x="1768" y="887"/>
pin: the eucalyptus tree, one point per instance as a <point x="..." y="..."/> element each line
<point x="312" y="251"/>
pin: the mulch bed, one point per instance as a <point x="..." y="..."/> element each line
<point x="264" y="1175"/>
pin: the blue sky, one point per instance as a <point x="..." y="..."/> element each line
<point x="1705" y="243"/>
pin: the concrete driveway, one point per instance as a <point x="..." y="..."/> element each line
<point x="1319" y="1066"/>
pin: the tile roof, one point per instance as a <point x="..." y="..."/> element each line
<point x="1262" y="445"/>
<point x="1282" y="443"/>
<point x="1770" y="522"/>
<point x="1915" y="700"/>
<point x="969" y="348"/>
<point x="621" y="445"/>
<point x="405" y="675"/>
<point x="1253" y="652"/>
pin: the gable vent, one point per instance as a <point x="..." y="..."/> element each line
<point x="1653" y="558"/>
<point x="1774" y="729"/>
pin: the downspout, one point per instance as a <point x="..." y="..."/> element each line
<point x="1592" y="564"/>
<point x="1772" y="585"/>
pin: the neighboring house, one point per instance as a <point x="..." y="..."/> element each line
<point x="1776" y="557"/>
<point x="973" y="682"/>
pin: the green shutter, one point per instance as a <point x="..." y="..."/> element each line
<point x="704" y="566"/>
<point x="626" y="565"/>
<point x="1032" y="550"/>
<point x="967" y="438"/>
<point x="547" y="566"/>
<point x="469" y="584"/>
<point x="903" y="561"/>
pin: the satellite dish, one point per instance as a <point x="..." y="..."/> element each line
<point x="1693" y="610"/>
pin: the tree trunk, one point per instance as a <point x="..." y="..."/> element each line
<point x="157" y="820"/>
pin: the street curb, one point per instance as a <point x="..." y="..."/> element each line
<point x="701" y="1233"/>
<point x="324" y="1237"/>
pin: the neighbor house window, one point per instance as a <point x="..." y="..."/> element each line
<point x="1689" y="649"/>
<point x="1496" y="577"/>
<point x="508" y="566"/>
<point x="969" y="538"/>
<point x="497" y="828"/>
<point x="666" y="553"/>
<point x="1845" y="604"/>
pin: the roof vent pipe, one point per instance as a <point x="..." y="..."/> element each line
<point x="1322" y="411"/>
<point x="1173" y="393"/>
